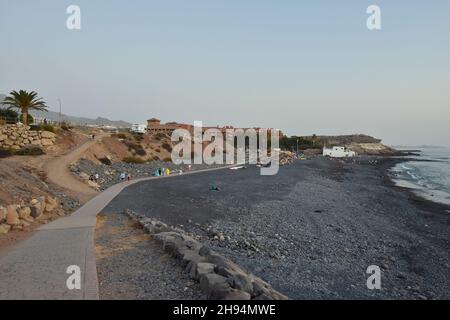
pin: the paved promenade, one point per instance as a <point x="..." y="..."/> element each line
<point x="36" y="268"/>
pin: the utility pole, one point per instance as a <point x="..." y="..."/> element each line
<point x="60" y="116"/>
<point x="297" y="146"/>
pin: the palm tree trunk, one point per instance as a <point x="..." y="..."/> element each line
<point x="25" y="116"/>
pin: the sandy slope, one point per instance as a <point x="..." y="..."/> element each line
<point x="57" y="171"/>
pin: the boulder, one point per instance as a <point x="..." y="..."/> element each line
<point x="241" y="282"/>
<point x="3" y="137"/>
<point x="51" y="204"/>
<point x="3" y="213"/>
<point x="46" y="142"/>
<point x="12" y="217"/>
<point x="47" y="135"/>
<point x="212" y="283"/>
<point x="234" y="294"/>
<point x="35" y="211"/>
<point x="24" y="212"/>
<point x="36" y="142"/>
<point x="25" y="223"/>
<point x="29" y="219"/>
<point x="4" y="228"/>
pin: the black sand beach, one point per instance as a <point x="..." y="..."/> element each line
<point x="312" y="230"/>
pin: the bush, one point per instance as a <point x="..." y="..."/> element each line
<point x="136" y="148"/>
<point x="65" y="126"/>
<point x="9" y="116"/>
<point x="106" y="161"/>
<point x="4" y="153"/>
<point x="43" y="127"/>
<point x="135" y="160"/>
<point x="30" y="151"/>
<point x="122" y="136"/>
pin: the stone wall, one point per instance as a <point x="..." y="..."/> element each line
<point x="16" y="136"/>
<point x="23" y="217"/>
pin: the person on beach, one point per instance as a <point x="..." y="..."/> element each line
<point x="167" y="172"/>
<point x="122" y="176"/>
<point x="129" y="177"/>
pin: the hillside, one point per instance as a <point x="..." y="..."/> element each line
<point x="54" y="116"/>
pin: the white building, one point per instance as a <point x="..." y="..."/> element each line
<point x="139" y="128"/>
<point x="338" y="152"/>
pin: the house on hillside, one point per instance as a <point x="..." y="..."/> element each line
<point x="139" y="128"/>
<point x="338" y="152"/>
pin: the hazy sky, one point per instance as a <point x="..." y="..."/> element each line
<point x="302" y="66"/>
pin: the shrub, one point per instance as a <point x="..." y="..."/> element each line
<point x="65" y="126"/>
<point x="9" y="116"/>
<point x="135" y="160"/>
<point x="122" y="136"/>
<point x="4" y="153"/>
<point x="30" y="150"/>
<point x="105" y="160"/>
<point x="43" y="127"/>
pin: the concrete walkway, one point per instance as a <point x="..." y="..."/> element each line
<point x="36" y="268"/>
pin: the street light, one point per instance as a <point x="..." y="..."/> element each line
<point x="59" y="100"/>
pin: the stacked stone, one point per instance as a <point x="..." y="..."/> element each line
<point x="17" y="136"/>
<point x="19" y="217"/>
<point x="219" y="278"/>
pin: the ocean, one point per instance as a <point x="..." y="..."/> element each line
<point x="427" y="175"/>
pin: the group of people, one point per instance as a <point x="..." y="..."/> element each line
<point x="160" y="172"/>
<point x="124" y="176"/>
<point x="94" y="177"/>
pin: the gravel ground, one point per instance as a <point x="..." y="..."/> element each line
<point x="312" y="230"/>
<point x="110" y="174"/>
<point x="132" y="266"/>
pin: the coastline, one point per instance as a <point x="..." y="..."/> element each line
<point x="311" y="231"/>
<point x="420" y="201"/>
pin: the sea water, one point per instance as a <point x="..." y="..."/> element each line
<point x="427" y="175"/>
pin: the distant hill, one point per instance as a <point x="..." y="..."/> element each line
<point x="54" y="116"/>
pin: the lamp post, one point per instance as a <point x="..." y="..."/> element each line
<point x="297" y="146"/>
<point x="59" y="100"/>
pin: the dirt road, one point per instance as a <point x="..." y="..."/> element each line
<point x="57" y="171"/>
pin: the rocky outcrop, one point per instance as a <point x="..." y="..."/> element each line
<point x="18" y="217"/>
<point x="219" y="278"/>
<point x="17" y="136"/>
<point x="373" y="149"/>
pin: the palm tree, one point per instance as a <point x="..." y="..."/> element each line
<point x="25" y="101"/>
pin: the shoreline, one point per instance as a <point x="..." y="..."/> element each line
<point x="418" y="200"/>
<point x="312" y="230"/>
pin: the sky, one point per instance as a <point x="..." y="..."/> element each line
<point x="305" y="67"/>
